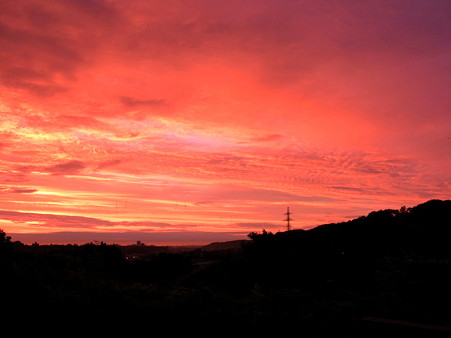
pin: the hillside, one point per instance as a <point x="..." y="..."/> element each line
<point x="390" y="264"/>
<point x="421" y="231"/>
<point x="224" y="246"/>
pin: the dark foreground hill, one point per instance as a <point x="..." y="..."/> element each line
<point x="387" y="272"/>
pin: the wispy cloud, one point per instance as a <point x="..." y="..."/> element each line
<point x="54" y="220"/>
<point x="233" y="109"/>
<point x="17" y="190"/>
<point x="70" y="167"/>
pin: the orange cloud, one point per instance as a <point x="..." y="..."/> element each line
<point x="216" y="114"/>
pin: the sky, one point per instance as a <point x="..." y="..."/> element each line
<point x="183" y="122"/>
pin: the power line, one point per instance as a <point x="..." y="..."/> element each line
<point x="288" y="219"/>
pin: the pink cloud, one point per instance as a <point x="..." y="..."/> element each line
<point x="231" y="107"/>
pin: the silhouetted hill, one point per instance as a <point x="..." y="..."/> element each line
<point x="391" y="263"/>
<point x="421" y="231"/>
<point x="224" y="246"/>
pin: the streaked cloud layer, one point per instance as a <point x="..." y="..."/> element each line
<point x="209" y="117"/>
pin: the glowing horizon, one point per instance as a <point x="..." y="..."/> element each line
<point x="210" y="117"/>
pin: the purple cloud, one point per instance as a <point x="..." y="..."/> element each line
<point x="18" y="190"/>
<point x="67" y="168"/>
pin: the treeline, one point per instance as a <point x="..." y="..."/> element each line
<point x="353" y="251"/>
<point x="390" y="263"/>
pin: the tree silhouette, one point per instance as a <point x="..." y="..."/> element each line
<point x="5" y="244"/>
<point x="3" y="238"/>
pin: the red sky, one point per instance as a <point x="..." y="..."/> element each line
<point x="181" y="122"/>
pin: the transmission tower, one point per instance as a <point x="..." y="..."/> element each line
<point x="288" y="219"/>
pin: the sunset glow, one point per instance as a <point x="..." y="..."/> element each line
<point x="187" y="122"/>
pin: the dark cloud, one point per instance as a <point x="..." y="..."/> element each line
<point x="268" y="138"/>
<point x="96" y="10"/>
<point x="25" y="169"/>
<point x="263" y="195"/>
<point x="31" y="60"/>
<point x="257" y="225"/>
<point x="54" y="220"/>
<point x="72" y="221"/>
<point x="223" y="159"/>
<point x="352" y="189"/>
<point x="45" y="45"/>
<point x="24" y="190"/>
<point x="133" y="102"/>
<point x="108" y="164"/>
<point x="13" y="177"/>
<point x="17" y="190"/>
<point x="290" y="39"/>
<point x="29" y="79"/>
<point x="155" y="230"/>
<point x="77" y="121"/>
<point x="67" y="168"/>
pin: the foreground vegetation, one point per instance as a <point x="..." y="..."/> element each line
<point x="392" y="264"/>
